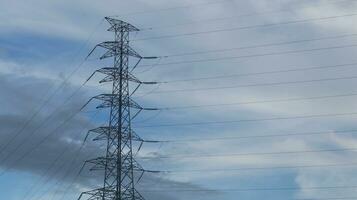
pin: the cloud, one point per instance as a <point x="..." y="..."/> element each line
<point x="339" y="8"/>
<point x="62" y="27"/>
<point x="57" y="160"/>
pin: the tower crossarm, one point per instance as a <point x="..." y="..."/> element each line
<point x="97" y="194"/>
<point x="115" y="48"/>
<point x="112" y="73"/>
<point x="113" y="99"/>
<point x="101" y="163"/>
<point x="105" y="132"/>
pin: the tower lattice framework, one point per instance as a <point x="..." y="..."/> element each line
<point x="119" y="166"/>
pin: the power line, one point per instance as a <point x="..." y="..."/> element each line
<point x="233" y="17"/>
<point x="55" y="185"/>
<point x="254" y="189"/>
<point x="253" y="102"/>
<point x="51" y="166"/>
<point x="28" y="136"/>
<point x="49" y="178"/>
<point x="37" y="112"/>
<point x="172" y="8"/>
<point x="250" y="120"/>
<point x="352" y="131"/>
<point x="261" y="45"/>
<point x="262" y="101"/>
<point x="44" y="122"/>
<point x="258" y="168"/>
<point x="68" y="171"/>
<point x="247" y="27"/>
<point x="257" y="85"/>
<point x="69" y="187"/>
<point x="259" y="73"/>
<point x="323" y="97"/>
<point x="53" y="163"/>
<point x="248" y="154"/>
<point x="39" y="143"/>
<point x="18" y="132"/>
<point x="255" y="55"/>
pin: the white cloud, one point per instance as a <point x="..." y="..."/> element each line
<point x="74" y="20"/>
<point x="322" y="9"/>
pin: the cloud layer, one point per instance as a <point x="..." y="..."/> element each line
<point x="45" y="42"/>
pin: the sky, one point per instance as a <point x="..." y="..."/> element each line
<point x="256" y="98"/>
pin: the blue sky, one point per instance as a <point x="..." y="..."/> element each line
<point x="42" y="43"/>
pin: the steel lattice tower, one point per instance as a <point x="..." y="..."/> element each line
<point x="118" y="164"/>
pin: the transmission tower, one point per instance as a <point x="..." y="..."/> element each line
<point x="121" y="170"/>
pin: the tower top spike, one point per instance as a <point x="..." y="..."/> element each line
<point x="117" y="24"/>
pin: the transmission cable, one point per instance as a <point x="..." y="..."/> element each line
<point x="40" y="142"/>
<point x="45" y="121"/>
<point x="69" y="187"/>
<point x="259" y="73"/>
<point x="68" y="171"/>
<point x="254" y="85"/>
<point x="262" y="45"/>
<point x="47" y="170"/>
<point x="257" y="168"/>
<point x="16" y="133"/>
<point x="252" y="189"/>
<point x="172" y="8"/>
<point x="173" y="156"/>
<point x="160" y="27"/>
<point x="247" y="27"/>
<point x="50" y="167"/>
<point x="255" y="55"/>
<point x="259" y="102"/>
<point x="250" y="120"/>
<point x="352" y="131"/>
<point x="49" y="178"/>
<point x="64" y="82"/>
